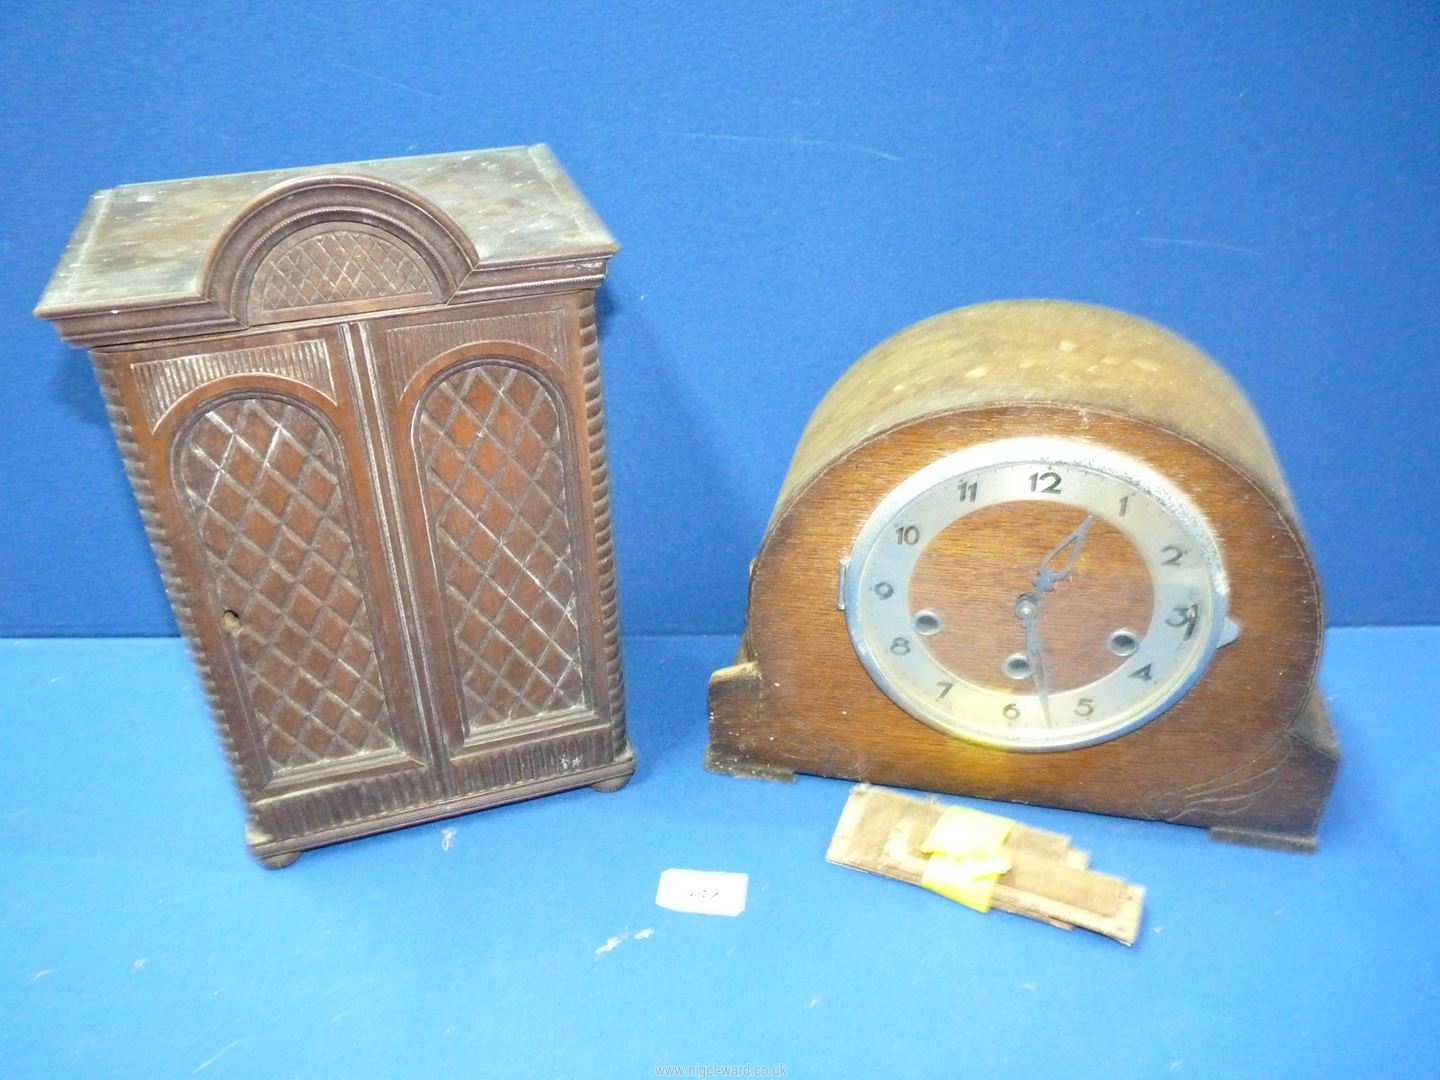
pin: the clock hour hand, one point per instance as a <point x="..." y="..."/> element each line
<point x="1049" y="575"/>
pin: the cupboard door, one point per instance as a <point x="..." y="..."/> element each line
<point x="486" y="448"/>
<point x="260" y="483"/>
<point x="269" y="521"/>
<point x="493" y="482"/>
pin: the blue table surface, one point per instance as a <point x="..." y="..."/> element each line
<point x="137" y="937"/>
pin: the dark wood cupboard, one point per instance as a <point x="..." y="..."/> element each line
<point x="361" y="409"/>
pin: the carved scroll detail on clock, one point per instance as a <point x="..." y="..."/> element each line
<point x="1232" y="792"/>
<point x="164" y="382"/>
<point x="491" y="447"/>
<point x="338" y="263"/>
<point x="543" y="331"/>
<point x="261" y="482"/>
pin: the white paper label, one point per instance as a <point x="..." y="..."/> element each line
<point x="702" y="892"/>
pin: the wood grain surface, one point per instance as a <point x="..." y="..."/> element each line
<point x="1039" y="351"/>
<point x="970" y="574"/>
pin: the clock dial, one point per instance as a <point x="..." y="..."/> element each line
<point x="1035" y="594"/>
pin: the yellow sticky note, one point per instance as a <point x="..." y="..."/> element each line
<point x="962" y="831"/>
<point x="967" y="856"/>
<point x="968" y="881"/>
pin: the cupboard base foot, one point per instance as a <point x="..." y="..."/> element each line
<point x="625" y="761"/>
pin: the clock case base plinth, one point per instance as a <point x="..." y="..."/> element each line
<point x="1273" y="801"/>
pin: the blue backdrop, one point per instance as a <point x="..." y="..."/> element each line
<point x="790" y="184"/>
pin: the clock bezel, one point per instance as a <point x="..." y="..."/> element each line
<point x="1060" y="452"/>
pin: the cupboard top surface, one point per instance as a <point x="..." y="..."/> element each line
<point x="158" y="244"/>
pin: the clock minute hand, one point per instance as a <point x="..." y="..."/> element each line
<point x="1027" y="608"/>
<point x="1028" y="605"/>
<point x="1048" y="576"/>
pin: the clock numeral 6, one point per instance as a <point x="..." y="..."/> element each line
<point x="1046" y="483"/>
<point x="1011" y="711"/>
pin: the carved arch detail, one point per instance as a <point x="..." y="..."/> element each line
<point x="335" y="245"/>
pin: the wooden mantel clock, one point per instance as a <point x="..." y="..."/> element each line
<point x="1042" y="552"/>
<point x="360" y="407"/>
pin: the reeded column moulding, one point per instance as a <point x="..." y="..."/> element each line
<point x="360" y="407"/>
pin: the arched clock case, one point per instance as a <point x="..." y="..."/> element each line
<point x="1042" y="552"/>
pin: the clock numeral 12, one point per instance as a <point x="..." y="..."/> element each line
<point x="1046" y="483"/>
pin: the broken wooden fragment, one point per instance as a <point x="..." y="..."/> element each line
<point x="983" y="861"/>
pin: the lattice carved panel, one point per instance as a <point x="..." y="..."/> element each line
<point x="338" y="264"/>
<point x="261" y="481"/>
<point x="491" y="448"/>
